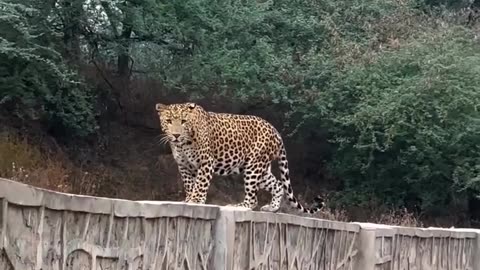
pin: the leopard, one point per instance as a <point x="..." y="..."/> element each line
<point x="204" y="144"/>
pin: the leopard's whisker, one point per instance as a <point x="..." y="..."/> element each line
<point x="162" y="140"/>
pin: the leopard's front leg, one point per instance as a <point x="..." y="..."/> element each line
<point x="202" y="182"/>
<point x="188" y="178"/>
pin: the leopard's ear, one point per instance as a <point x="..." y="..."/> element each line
<point x="160" y="107"/>
<point x="191" y="105"/>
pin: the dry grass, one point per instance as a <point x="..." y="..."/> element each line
<point x="17" y="154"/>
<point x="379" y="214"/>
<point x="333" y="214"/>
<point x="22" y="161"/>
<point x="400" y="217"/>
<point x="390" y="217"/>
<point x="51" y="175"/>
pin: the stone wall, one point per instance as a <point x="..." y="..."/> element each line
<point x="259" y="240"/>
<point x="42" y="230"/>
<point x="398" y="248"/>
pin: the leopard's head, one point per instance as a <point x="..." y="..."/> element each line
<point x="178" y="120"/>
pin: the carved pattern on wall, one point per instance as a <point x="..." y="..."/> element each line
<point x="44" y="230"/>
<point x="38" y="238"/>
<point x="424" y="253"/>
<point x="5" y="263"/>
<point x="288" y="246"/>
<point x="78" y="260"/>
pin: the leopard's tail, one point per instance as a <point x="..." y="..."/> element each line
<point x="285" y="178"/>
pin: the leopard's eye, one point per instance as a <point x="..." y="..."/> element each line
<point x="169" y="121"/>
<point x="184" y="121"/>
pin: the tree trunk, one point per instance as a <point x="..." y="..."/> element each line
<point x="123" y="60"/>
<point x="72" y="17"/>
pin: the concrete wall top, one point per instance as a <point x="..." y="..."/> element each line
<point x="388" y="230"/>
<point x="255" y="216"/>
<point x="25" y="195"/>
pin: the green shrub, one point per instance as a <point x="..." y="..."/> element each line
<point x="407" y="122"/>
<point x="34" y="81"/>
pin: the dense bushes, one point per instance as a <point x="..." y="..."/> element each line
<point x="34" y="81"/>
<point x="408" y="127"/>
<point x="274" y="50"/>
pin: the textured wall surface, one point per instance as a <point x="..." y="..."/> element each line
<point x="43" y="230"/>
<point x="278" y="241"/>
<point x="47" y="230"/>
<point x="429" y="249"/>
<point x="401" y="248"/>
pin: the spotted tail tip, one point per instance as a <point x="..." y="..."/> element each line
<point x="318" y="203"/>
